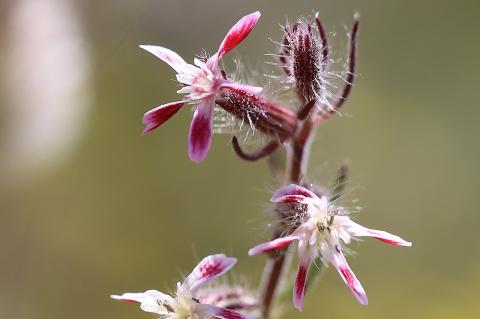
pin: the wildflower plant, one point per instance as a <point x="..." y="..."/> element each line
<point x="307" y="216"/>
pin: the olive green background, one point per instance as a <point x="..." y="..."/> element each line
<point x="123" y="212"/>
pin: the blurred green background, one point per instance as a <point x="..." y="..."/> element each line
<point x="98" y="209"/>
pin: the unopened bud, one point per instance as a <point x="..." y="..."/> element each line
<point x="268" y="116"/>
<point x="304" y="57"/>
<point x="234" y="298"/>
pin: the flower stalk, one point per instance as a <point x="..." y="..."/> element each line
<point x="309" y="51"/>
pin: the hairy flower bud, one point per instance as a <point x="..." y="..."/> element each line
<point x="304" y="57"/>
<point x="268" y="116"/>
<point x="230" y="297"/>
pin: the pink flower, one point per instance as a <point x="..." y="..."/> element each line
<point x="322" y="231"/>
<point x="185" y="304"/>
<point x="202" y="82"/>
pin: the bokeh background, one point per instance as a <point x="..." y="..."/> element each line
<point x="88" y="207"/>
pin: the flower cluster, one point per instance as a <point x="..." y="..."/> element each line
<point x="307" y="217"/>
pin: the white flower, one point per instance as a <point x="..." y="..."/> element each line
<point x="185" y="304"/>
<point x="323" y="232"/>
<point x="202" y="82"/>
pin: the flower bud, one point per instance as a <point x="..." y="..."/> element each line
<point x="268" y="116"/>
<point x="304" y="57"/>
<point x="292" y="214"/>
<point x="231" y="297"/>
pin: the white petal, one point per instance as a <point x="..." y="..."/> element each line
<point x="186" y="90"/>
<point x="185" y="78"/>
<point x="359" y="230"/>
<point x="272" y="245"/>
<point x="340" y="263"/>
<point x="168" y="56"/>
<point x="306" y="257"/>
<point x="209" y="268"/>
<point x="202" y="65"/>
<point x="150" y="300"/>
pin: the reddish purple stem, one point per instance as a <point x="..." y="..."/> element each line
<point x="323" y="37"/>
<point x="254" y="156"/>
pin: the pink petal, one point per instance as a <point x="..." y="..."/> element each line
<point x="168" y="56"/>
<point x="293" y="193"/>
<point x="236" y="34"/>
<point x="272" y="245"/>
<point x="340" y="263"/>
<point x="242" y="88"/>
<point x="359" y="230"/>
<point x="157" y="116"/>
<point x="216" y="312"/>
<point x="150" y="300"/>
<point x="301" y="280"/>
<point x="200" y="134"/>
<point x="209" y="268"/>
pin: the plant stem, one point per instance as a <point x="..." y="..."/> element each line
<point x="297" y="158"/>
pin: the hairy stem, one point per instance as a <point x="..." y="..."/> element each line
<point x="297" y="158"/>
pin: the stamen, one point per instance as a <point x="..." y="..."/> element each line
<point x="224" y="74"/>
<point x="320" y="226"/>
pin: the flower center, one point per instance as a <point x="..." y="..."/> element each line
<point x="185" y="305"/>
<point x="203" y="83"/>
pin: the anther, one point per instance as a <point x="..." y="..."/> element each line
<point x="330" y="220"/>
<point x="320" y="226"/>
